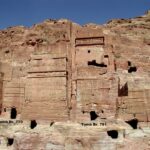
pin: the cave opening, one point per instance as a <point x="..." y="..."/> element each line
<point x="129" y="63"/>
<point x="113" y="134"/>
<point x="10" y="141"/>
<point x="132" y="69"/>
<point x="93" y="115"/>
<point x="33" y="124"/>
<point x="13" y="113"/>
<point x="133" y="123"/>
<point x="94" y="63"/>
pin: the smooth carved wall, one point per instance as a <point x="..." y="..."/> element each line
<point x="65" y="72"/>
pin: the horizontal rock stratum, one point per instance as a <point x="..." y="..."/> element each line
<point x="69" y="87"/>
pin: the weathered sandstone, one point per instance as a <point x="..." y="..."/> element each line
<point x="72" y="87"/>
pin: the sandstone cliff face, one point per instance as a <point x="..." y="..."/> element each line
<point x="66" y="86"/>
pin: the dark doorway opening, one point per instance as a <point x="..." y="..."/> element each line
<point x="93" y="115"/>
<point x="133" y="123"/>
<point x="113" y="134"/>
<point x="123" y="91"/>
<point x="10" y="141"/>
<point x="33" y="124"/>
<point x="13" y="114"/>
<point x="94" y="63"/>
<point x="132" y="69"/>
<point x="129" y="63"/>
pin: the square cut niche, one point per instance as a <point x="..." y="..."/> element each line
<point x="106" y="56"/>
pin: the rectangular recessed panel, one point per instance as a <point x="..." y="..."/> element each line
<point x="92" y="91"/>
<point x="45" y="98"/>
<point x="46" y="89"/>
<point x="13" y="94"/>
<point x="45" y="111"/>
<point x="89" y="41"/>
<point x="47" y="65"/>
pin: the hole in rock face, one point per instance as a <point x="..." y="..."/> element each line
<point x="89" y="51"/>
<point x="52" y="123"/>
<point x="33" y="43"/>
<point x="129" y="63"/>
<point x="123" y="91"/>
<point x="132" y="69"/>
<point x="10" y="141"/>
<point x="133" y="123"/>
<point x="106" y="56"/>
<point x="113" y="134"/>
<point x="94" y="63"/>
<point x="93" y="115"/>
<point x="64" y="35"/>
<point x="13" y="114"/>
<point x="33" y="124"/>
<point x="6" y="52"/>
<point x="83" y="111"/>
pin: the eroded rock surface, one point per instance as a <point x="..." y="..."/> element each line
<point x="72" y="87"/>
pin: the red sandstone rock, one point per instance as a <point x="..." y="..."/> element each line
<point x="93" y="75"/>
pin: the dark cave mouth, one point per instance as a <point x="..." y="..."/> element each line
<point x="113" y="134"/>
<point x="13" y="113"/>
<point x="133" y="123"/>
<point x="93" y="115"/>
<point x="10" y="141"/>
<point x="33" y="124"/>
